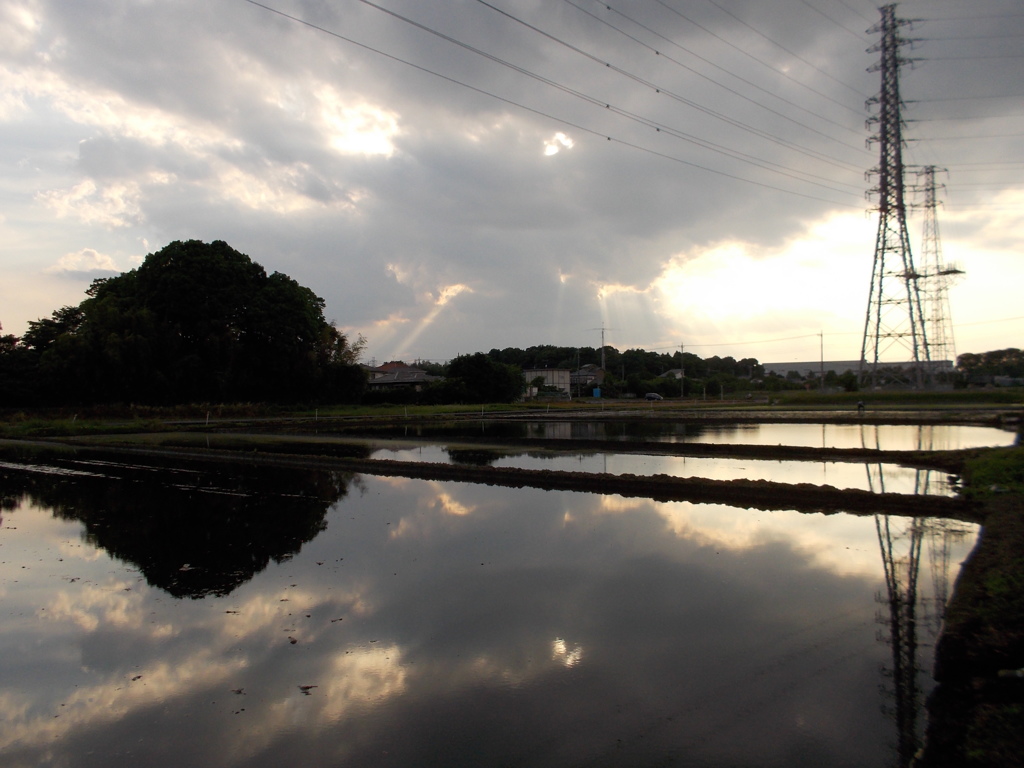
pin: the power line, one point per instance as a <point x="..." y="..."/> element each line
<point x="733" y="74"/>
<point x="549" y="116"/>
<point x="850" y="8"/>
<point x="756" y="161"/>
<point x="971" y="138"/>
<point x="712" y="64"/>
<point x="704" y="143"/>
<point x="795" y="55"/>
<point x="994" y="17"/>
<point x="745" y="343"/>
<point x="973" y="58"/>
<point x="965" y="98"/>
<point x="1006" y="185"/>
<point x="639" y="80"/>
<point x="975" y="37"/>
<point x="963" y="117"/>
<point x="981" y="206"/>
<point x="971" y="166"/>
<point x="990" y="322"/>
<point x="839" y="24"/>
<point x="759" y="61"/>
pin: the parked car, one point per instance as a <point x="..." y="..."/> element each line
<point x="653" y="396"/>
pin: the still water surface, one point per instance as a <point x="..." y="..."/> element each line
<point x="204" y="616"/>
<point x="877" y="477"/>
<point x="888" y="437"/>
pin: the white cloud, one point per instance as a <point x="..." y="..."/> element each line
<point x="86" y="260"/>
<point x="114" y="205"/>
<point x="557" y="143"/>
<point x="19" y="26"/>
<point x="356" y="129"/>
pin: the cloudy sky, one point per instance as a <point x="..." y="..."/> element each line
<point x="457" y="176"/>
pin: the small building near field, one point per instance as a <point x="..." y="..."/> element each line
<point x="559" y="378"/>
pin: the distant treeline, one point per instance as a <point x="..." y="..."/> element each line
<point x="631" y="363"/>
<point x="202" y="323"/>
<point x="638" y="371"/>
<point x="1000" y="362"/>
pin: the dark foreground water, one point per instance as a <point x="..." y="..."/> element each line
<point x="231" y="616"/>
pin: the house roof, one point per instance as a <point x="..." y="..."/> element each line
<point x="401" y="376"/>
<point x="393" y="365"/>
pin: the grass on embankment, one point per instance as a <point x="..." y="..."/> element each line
<point x="995" y="472"/>
<point x="994" y="596"/>
<point x="975" y="714"/>
<point x="29" y="428"/>
<point x="121" y="419"/>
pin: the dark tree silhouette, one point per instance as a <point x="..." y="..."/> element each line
<point x="196" y="322"/>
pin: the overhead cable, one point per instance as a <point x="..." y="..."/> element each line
<point x="533" y="110"/>
<point x="709" y="63"/>
<point x="642" y="81"/>
<point x="773" y="42"/>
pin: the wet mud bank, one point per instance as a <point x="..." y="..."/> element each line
<point x="950" y="461"/>
<point x="976" y="712"/>
<point x="751" y="494"/>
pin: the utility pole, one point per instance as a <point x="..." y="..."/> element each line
<point x="894" y="322"/>
<point x="602" y="329"/>
<point x="821" y="354"/>
<point x="682" y="372"/>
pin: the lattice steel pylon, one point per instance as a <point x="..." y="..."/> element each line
<point x="894" y="325"/>
<point x="936" y="276"/>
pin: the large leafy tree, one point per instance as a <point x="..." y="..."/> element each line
<point x="196" y="322"/>
<point x="998" y="362"/>
<point x="479" y="379"/>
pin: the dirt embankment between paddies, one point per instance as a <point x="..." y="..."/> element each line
<point x="976" y="712"/>
<point x="752" y="494"/>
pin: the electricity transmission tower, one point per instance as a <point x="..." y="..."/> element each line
<point x="937" y="277"/>
<point x="894" y="325"/>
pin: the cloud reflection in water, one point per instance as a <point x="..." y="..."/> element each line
<point x="452" y="624"/>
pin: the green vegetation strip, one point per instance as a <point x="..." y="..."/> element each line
<point x="976" y="714"/>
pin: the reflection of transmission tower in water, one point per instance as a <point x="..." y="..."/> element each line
<point x="894" y="323"/>
<point x="901" y="557"/>
<point x="901" y="541"/>
<point x="941" y="536"/>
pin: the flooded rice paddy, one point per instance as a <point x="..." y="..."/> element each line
<point x="878" y="477"/>
<point x="887" y="437"/>
<point x="176" y="612"/>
